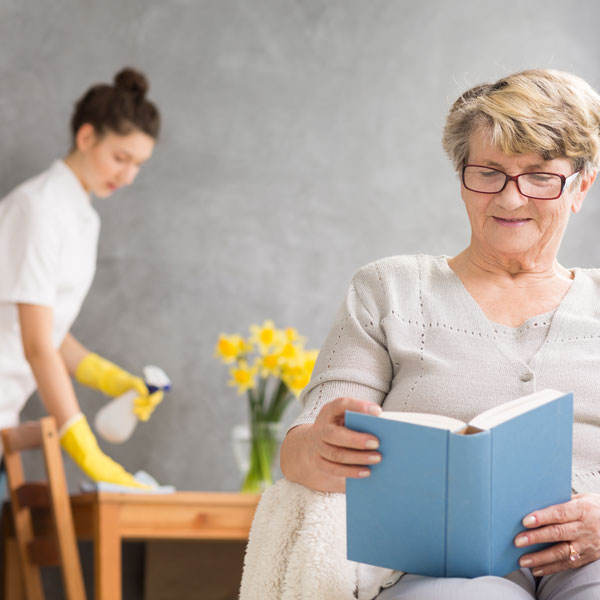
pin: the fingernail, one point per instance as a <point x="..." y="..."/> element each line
<point x="537" y="572"/>
<point x="525" y="562"/>
<point x="371" y="444"/>
<point x="364" y="473"/>
<point x="528" y="521"/>
<point x="374" y="458"/>
<point x="521" y="540"/>
<point x="374" y="409"/>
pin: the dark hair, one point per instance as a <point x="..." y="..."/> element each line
<point x="120" y="108"/>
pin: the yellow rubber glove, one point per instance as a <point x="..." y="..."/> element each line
<point x="101" y="374"/>
<point x="77" y="439"/>
<point x="144" y="405"/>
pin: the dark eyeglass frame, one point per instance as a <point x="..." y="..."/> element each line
<point x="564" y="181"/>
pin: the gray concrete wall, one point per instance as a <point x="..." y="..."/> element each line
<point x="301" y="140"/>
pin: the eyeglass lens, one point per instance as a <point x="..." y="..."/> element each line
<point x="491" y="181"/>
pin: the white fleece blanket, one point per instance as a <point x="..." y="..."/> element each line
<point x="297" y="550"/>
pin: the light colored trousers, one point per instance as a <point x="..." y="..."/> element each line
<point x="574" y="584"/>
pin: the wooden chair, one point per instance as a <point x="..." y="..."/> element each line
<point x="35" y="551"/>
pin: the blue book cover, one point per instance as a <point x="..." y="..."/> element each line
<point x="448" y="498"/>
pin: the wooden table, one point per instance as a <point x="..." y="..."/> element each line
<point x="109" y="518"/>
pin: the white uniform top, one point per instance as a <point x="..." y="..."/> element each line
<point x="48" y="243"/>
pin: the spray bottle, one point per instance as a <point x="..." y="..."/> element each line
<point x="115" y="421"/>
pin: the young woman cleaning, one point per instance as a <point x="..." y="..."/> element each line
<point x="48" y="244"/>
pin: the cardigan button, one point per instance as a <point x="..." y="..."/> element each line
<point x="526" y="377"/>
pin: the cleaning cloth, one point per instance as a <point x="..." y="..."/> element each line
<point x="141" y="476"/>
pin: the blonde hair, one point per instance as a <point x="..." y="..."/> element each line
<point x="552" y="113"/>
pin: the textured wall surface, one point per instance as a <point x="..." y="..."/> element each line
<point x="301" y="140"/>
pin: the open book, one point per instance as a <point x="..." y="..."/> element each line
<point x="448" y="497"/>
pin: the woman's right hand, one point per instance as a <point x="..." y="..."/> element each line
<point x="323" y="454"/>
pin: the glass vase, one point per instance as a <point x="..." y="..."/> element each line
<point x="256" y="450"/>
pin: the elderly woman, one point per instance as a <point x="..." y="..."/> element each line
<point x="503" y="318"/>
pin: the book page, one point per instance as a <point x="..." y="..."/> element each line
<point x="514" y="408"/>
<point x="425" y="419"/>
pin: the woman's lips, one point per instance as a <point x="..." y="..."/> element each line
<point x="511" y="222"/>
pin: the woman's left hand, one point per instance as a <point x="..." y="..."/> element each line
<point x="572" y="527"/>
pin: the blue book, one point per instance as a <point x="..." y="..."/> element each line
<point x="448" y="498"/>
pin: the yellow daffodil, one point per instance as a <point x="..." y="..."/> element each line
<point x="265" y="336"/>
<point x="309" y="358"/>
<point x="231" y="347"/>
<point x="296" y="372"/>
<point x="243" y="376"/>
<point x="296" y="378"/>
<point x="282" y="363"/>
<point x="290" y="352"/>
<point x="291" y="335"/>
<point x="269" y="365"/>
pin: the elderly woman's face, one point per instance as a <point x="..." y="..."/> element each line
<point x="508" y="223"/>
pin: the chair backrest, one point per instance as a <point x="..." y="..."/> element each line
<point x="59" y="549"/>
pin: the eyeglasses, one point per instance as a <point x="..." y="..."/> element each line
<point x="539" y="186"/>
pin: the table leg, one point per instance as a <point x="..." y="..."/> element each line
<point x="107" y="553"/>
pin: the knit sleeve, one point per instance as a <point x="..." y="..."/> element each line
<point x="354" y="360"/>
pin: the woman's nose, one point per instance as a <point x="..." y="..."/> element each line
<point x="129" y="174"/>
<point x="510" y="197"/>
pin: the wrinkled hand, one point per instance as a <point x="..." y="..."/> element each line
<point x="337" y="451"/>
<point x="576" y="522"/>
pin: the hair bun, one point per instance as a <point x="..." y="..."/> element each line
<point x="133" y="82"/>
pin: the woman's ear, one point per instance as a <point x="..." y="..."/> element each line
<point x="584" y="186"/>
<point x="85" y="137"/>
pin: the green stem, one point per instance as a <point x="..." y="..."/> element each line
<point x="279" y="401"/>
<point x="252" y="404"/>
<point x="263" y="448"/>
<point x="262" y="386"/>
<point x="252" y="400"/>
<point x="264" y="443"/>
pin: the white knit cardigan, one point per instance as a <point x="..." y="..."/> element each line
<point x="410" y="336"/>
